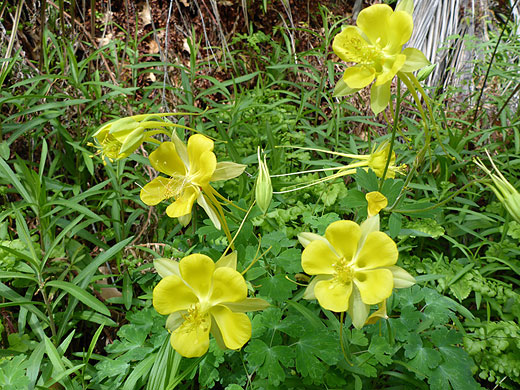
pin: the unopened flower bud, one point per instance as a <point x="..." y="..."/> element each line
<point x="264" y="188"/>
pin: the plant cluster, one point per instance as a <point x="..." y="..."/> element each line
<point x="252" y="241"/>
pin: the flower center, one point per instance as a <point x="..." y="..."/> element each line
<point x="343" y="272"/>
<point x="111" y="147"/>
<point x="176" y="186"/>
<point x="196" y="319"/>
<point x="361" y="52"/>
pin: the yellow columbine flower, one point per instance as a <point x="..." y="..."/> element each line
<point x="190" y="171"/>
<point x="375" y="45"/>
<point x="354" y="265"/>
<point x="377" y="161"/>
<point x="118" y="139"/>
<point x="203" y="297"/>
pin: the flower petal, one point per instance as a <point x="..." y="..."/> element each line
<point x="344" y="237"/>
<point x="175" y="320"/>
<point x="165" y="159"/>
<point x="306" y="238"/>
<point x="209" y="209"/>
<point x="226" y="170"/>
<point x="390" y="69"/>
<point x="378" y="314"/>
<point x="349" y="45"/>
<point x="373" y="21"/>
<point x="379" y="97"/>
<point x="191" y="340"/>
<point x="357" y="310"/>
<point x="379" y="250"/>
<point x="184" y="203"/>
<point x="402" y="278"/>
<point x="400" y="27"/>
<point x="376" y="202"/>
<point x="309" y="291"/>
<point x="197" y="271"/>
<point x="202" y="159"/>
<point x="229" y="260"/>
<point x="359" y="76"/>
<point x="342" y="89"/>
<point x="228" y="286"/>
<point x="333" y="295"/>
<point x="318" y="258"/>
<point x="248" y="304"/>
<point x="235" y="328"/>
<point x="374" y="285"/>
<point x="165" y="267"/>
<point x="155" y="192"/>
<point x="171" y="295"/>
<point x="415" y="60"/>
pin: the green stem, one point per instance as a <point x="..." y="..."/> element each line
<point x="394" y="131"/>
<point x="49" y="312"/>
<point x="404" y="78"/>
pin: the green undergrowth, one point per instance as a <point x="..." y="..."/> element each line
<point x="77" y="244"/>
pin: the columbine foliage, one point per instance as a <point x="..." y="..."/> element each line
<point x="264" y="235"/>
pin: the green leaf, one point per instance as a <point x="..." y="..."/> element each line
<point x="81" y="295"/>
<point x="425" y="359"/>
<point x="269" y="361"/>
<point x="276" y="288"/>
<point x="380" y="348"/>
<point x="290" y="260"/>
<point x="314" y="348"/>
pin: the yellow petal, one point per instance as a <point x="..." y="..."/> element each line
<point x="379" y="97"/>
<point x="184" y="220"/>
<point x="344" y="237"/>
<point x="235" y="328"/>
<point x="228" y="286"/>
<point x="229" y="260"/>
<point x="349" y="45"/>
<point x="248" y="304"/>
<point x="201" y="173"/>
<point x="165" y="267"/>
<point x="226" y="170"/>
<point x="402" y="278"/>
<point x="309" y="291"/>
<point x="318" y="258"/>
<point x="202" y="159"/>
<point x="379" y="250"/>
<point x="390" y="69"/>
<point x="357" y="310"/>
<point x="378" y="314"/>
<point x="415" y="60"/>
<point x="208" y="207"/>
<point x="342" y="89"/>
<point x="175" y="320"/>
<point x="373" y="21"/>
<point x="171" y="294"/>
<point x="197" y="271"/>
<point x="155" y="192"/>
<point x="405" y="6"/>
<point x="190" y="340"/>
<point x="374" y="285"/>
<point x="376" y="202"/>
<point x="165" y="159"/>
<point x="400" y="27"/>
<point x="184" y="203"/>
<point x="359" y="76"/>
<point x="333" y="295"/>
